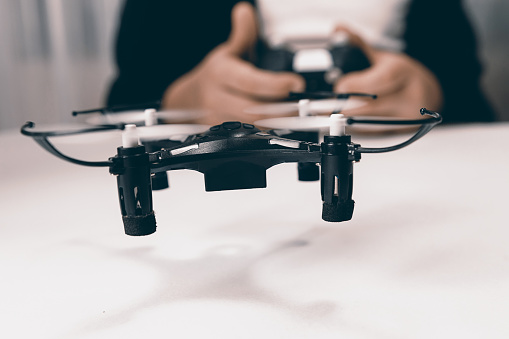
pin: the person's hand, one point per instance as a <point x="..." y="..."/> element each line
<point x="403" y="85"/>
<point x="224" y="84"/>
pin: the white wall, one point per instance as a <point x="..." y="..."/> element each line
<point x="55" y="56"/>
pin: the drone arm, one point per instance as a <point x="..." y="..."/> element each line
<point x="42" y="139"/>
<point x="420" y="133"/>
<point x="48" y="146"/>
<point x="426" y="126"/>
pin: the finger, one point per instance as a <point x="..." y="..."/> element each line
<point x="244" y="29"/>
<point x="375" y="108"/>
<point x="379" y="80"/>
<point x="355" y="39"/>
<point x="242" y="77"/>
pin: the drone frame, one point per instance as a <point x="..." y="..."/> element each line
<point x="232" y="156"/>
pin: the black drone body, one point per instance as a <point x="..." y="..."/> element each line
<point x="232" y="156"/>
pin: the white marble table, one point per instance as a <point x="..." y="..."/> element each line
<point x="425" y="256"/>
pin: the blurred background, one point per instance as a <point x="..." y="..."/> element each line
<point x="57" y="56"/>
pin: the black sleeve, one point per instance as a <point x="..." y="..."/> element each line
<point x="439" y="35"/>
<point x="159" y="41"/>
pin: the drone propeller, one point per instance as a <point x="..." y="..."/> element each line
<point x="138" y="117"/>
<point x="170" y="131"/>
<point x="307" y="120"/>
<point x="323" y="102"/>
<point x="136" y="114"/>
<point x="316" y="107"/>
<point x="86" y="134"/>
<point x="310" y="123"/>
<point x="321" y="123"/>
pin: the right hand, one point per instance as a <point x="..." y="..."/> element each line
<point x="403" y="85"/>
<point x="224" y="84"/>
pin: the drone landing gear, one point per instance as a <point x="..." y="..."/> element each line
<point x="132" y="168"/>
<point x="138" y="170"/>
<point x="337" y="178"/>
<point x="307" y="171"/>
<point x="234" y="156"/>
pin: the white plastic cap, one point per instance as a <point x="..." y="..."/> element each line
<point x="304" y="108"/>
<point x="150" y="117"/>
<point x="130" y="136"/>
<point x="337" y="125"/>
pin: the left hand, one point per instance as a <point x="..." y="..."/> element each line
<point x="224" y="84"/>
<point x="403" y="85"/>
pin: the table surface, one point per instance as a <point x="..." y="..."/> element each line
<point x="425" y="256"/>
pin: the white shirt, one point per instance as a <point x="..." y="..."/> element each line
<point x="379" y="22"/>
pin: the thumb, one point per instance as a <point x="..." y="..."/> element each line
<point x="356" y="40"/>
<point x="360" y="80"/>
<point x="244" y="29"/>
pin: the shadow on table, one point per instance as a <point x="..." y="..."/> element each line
<point x="225" y="272"/>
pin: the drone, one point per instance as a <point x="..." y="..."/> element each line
<point x="234" y="155"/>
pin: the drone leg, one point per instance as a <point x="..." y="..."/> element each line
<point x="337" y="179"/>
<point x="135" y="191"/>
<point x="307" y="171"/>
<point x="159" y="179"/>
